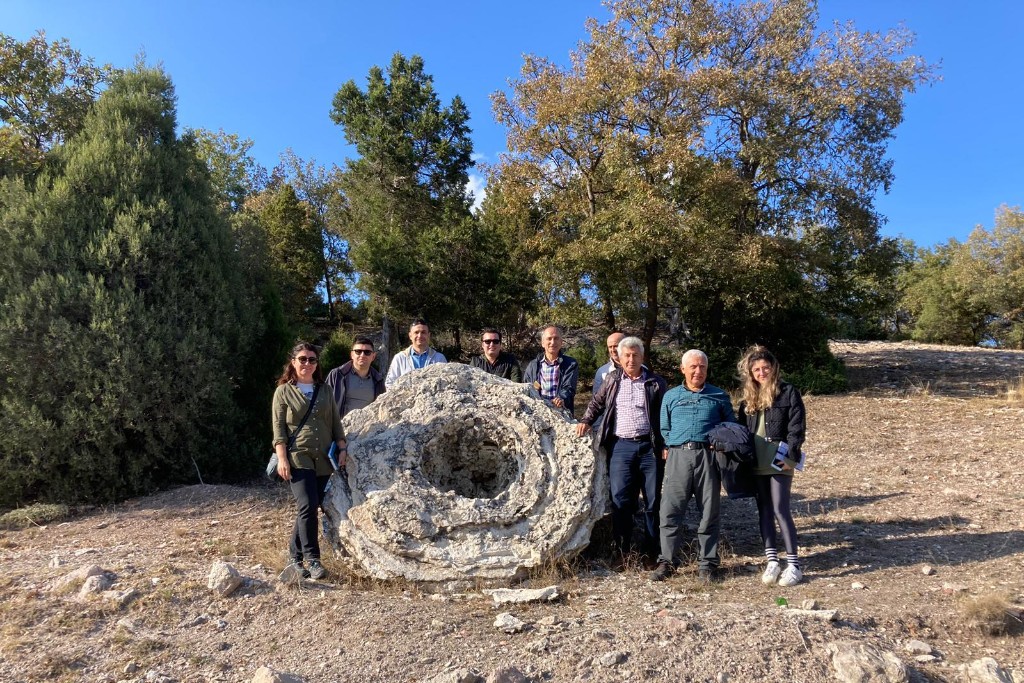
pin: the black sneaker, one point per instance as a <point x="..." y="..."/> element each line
<point x="707" y="575"/>
<point x="316" y="570"/>
<point x="663" y="571"/>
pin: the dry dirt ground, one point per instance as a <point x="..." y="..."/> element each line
<point x="919" y="465"/>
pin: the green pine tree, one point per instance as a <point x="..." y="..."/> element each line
<point x="122" y="311"/>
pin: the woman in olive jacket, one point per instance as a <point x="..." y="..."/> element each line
<point x="774" y="413"/>
<point x="302" y="454"/>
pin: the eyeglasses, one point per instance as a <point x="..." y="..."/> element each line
<point x="492" y="341"/>
<point x="312" y="360"/>
<point x="362" y="352"/>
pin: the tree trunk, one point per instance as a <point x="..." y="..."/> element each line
<point x="609" y="313"/>
<point x="384" y="353"/>
<point x="651" y="273"/>
<point x="327" y="289"/>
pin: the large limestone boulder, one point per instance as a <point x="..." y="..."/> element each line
<point x="455" y="474"/>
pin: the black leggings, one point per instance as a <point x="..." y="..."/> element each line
<point x="773" y="504"/>
<point x="308" y="490"/>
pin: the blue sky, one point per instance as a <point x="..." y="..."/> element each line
<point x="268" y="71"/>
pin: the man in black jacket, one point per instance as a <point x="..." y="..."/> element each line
<point x="493" y="360"/>
<point x="630" y="401"/>
<point x="356" y="384"/>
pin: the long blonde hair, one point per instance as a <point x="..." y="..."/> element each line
<point x="756" y="396"/>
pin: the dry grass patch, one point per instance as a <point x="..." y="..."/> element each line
<point x="36" y="514"/>
<point x="992" y="614"/>
<point x="1014" y="392"/>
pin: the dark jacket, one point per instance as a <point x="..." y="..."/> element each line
<point x="603" y="403"/>
<point x="505" y="366"/>
<point x="569" y="372"/>
<point x="786" y="420"/>
<point x="337" y="380"/>
<point x="734" y="454"/>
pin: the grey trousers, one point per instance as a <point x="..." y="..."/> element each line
<point x="690" y="473"/>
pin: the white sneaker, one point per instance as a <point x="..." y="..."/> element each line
<point x="791" y="577"/>
<point x="771" y="573"/>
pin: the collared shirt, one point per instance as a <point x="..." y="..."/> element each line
<point x="631" y="418"/>
<point x="359" y="393"/>
<point x="689" y="415"/>
<point x="419" y="360"/>
<point x="549" y="375"/>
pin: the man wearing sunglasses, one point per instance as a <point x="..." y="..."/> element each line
<point x="356" y="384"/>
<point x="494" y="360"/>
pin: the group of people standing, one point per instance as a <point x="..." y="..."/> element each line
<point x="655" y="438"/>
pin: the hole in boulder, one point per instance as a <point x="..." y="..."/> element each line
<point x="469" y="462"/>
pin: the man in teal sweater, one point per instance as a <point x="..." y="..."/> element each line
<point x="688" y="413"/>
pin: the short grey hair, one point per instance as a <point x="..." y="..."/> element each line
<point x="693" y="353"/>
<point x="545" y="328"/>
<point x="631" y="343"/>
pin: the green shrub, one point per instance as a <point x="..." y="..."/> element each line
<point x="826" y="376"/>
<point x="586" y="356"/>
<point x="337" y="351"/>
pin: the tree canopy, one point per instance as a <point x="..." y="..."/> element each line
<point x="718" y="154"/>
<point x="416" y="246"/>
<point x="46" y="90"/>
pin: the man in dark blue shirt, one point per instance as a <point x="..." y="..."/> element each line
<point x="688" y="413"/>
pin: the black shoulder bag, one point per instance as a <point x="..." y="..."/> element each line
<point x="272" y="474"/>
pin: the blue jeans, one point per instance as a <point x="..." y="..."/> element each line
<point x="633" y="470"/>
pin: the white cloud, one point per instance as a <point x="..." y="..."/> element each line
<point x="478" y="186"/>
<point x="477" y="156"/>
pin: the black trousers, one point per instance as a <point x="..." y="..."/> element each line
<point x="308" y="490"/>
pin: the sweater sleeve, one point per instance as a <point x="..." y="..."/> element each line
<point x="393" y="370"/>
<point x="279" y="416"/>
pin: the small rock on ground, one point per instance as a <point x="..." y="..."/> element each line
<point x="508" y="623"/>
<point x="224" y="579"/>
<point x="265" y="674"/>
<point x="857" y="662"/>
<point x="984" y="670"/>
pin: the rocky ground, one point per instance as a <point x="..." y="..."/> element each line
<point x="909" y="516"/>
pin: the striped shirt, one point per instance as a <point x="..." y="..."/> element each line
<point x="631" y="418"/>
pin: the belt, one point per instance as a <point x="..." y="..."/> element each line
<point x="643" y="438"/>
<point x="692" y="445"/>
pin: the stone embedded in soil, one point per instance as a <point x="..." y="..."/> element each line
<point x="503" y="596"/>
<point x="265" y="674"/>
<point x="614" y="658"/>
<point x="984" y="670"/>
<point x="855" y="662"/>
<point x="78" y="575"/>
<point x="457" y="676"/>
<point x="918" y="647"/>
<point x="927" y="570"/>
<point x="455" y="474"/>
<point x="508" y="623"/>
<point x="507" y="674"/>
<point x="97" y="583"/>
